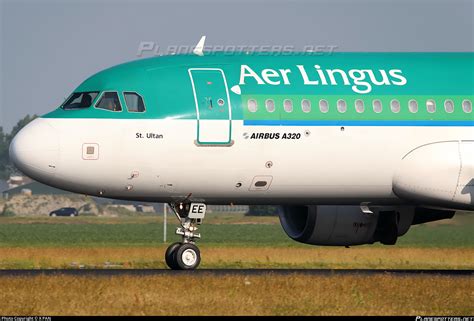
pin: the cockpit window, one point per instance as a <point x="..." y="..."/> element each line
<point x="109" y="101"/>
<point x="80" y="100"/>
<point x="134" y="102"/>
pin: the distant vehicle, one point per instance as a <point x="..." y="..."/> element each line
<point x="65" y="211"/>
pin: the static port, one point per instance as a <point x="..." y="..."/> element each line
<point x="261" y="184"/>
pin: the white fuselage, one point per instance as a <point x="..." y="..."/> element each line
<point x="159" y="160"/>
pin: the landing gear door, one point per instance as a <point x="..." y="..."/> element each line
<point x="213" y="109"/>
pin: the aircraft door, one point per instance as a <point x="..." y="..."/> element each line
<point x="213" y="108"/>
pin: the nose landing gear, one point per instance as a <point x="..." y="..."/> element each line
<point x="185" y="255"/>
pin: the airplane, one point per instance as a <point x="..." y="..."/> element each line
<point x="354" y="147"/>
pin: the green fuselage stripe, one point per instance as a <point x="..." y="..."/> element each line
<point x="165" y="85"/>
<point x="315" y="113"/>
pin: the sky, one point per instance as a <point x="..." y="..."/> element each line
<point x="49" y="47"/>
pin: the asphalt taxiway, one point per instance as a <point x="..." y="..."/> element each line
<point x="241" y="272"/>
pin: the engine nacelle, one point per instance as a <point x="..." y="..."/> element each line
<point x="345" y="225"/>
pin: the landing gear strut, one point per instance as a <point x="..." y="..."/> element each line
<point x="185" y="255"/>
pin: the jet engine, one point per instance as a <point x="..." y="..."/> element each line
<point x="353" y="225"/>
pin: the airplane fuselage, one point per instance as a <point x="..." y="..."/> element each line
<point x="257" y="129"/>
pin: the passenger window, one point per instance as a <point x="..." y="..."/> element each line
<point x="377" y="105"/>
<point x="288" y="105"/>
<point x="448" y="106"/>
<point x="305" y="105"/>
<point x="359" y="105"/>
<point x="467" y="106"/>
<point x="252" y="105"/>
<point x="341" y="106"/>
<point x="323" y="106"/>
<point x="270" y="105"/>
<point x="395" y="106"/>
<point x="413" y="106"/>
<point x="109" y="101"/>
<point x="134" y="102"/>
<point x="430" y="106"/>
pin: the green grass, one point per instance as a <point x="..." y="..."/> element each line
<point x="133" y="234"/>
<point x="146" y="231"/>
<point x="269" y="294"/>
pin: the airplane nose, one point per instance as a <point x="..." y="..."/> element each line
<point x="35" y="150"/>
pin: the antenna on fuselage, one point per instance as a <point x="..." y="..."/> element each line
<point x="198" y="50"/>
